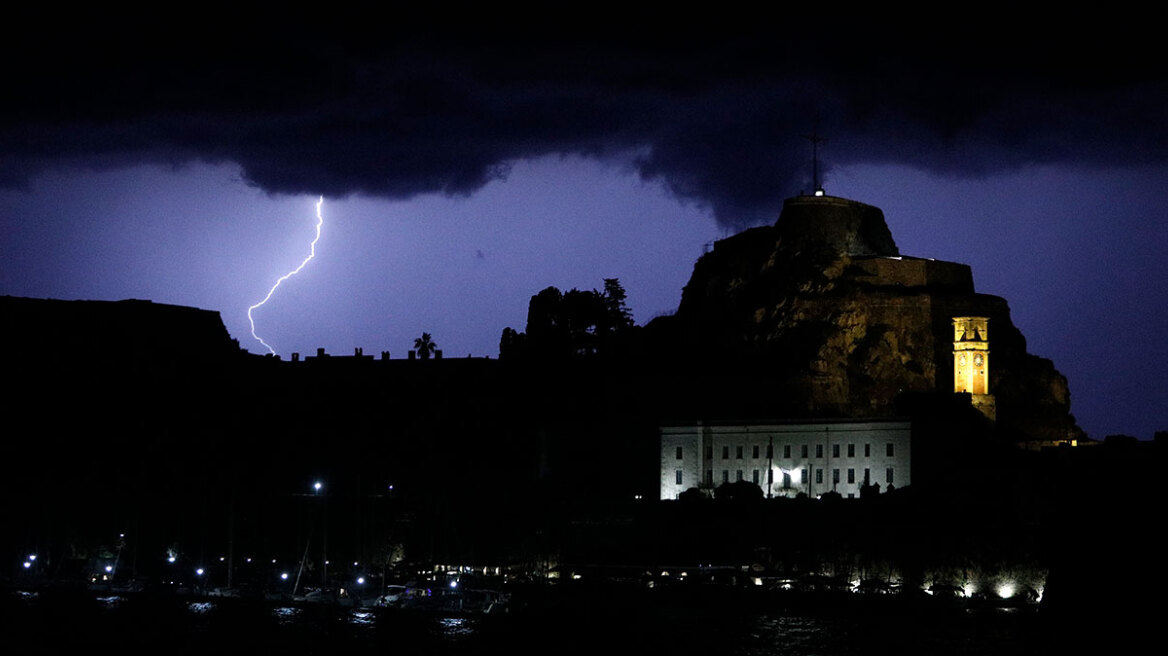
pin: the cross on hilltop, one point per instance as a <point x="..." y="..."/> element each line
<point x="815" y="140"/>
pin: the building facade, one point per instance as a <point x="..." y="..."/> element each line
<point x="785" y="459"/>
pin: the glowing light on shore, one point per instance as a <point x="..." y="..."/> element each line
<point x="311" y="254"/>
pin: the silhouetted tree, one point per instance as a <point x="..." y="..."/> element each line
<point x="618" y="316"/>
<point x="512" y="344"/>
<point x="1120" y="441"/>
<point x="583" y="317"/>
<point x="572" y="324"/>
<point x="738" y="491"/>
<point x="545" y="330"/>
<point x="425" y="346"/>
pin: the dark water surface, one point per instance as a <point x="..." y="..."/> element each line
<point x="45" y="624"/>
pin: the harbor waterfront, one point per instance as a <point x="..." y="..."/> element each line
<point x="573" y="620"/>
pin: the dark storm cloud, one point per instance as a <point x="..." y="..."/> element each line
<point x="397" y="106"/>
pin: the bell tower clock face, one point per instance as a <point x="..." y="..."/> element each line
<point x="971" y="357"/>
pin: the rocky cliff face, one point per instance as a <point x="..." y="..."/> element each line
<point x="847" y="326"/>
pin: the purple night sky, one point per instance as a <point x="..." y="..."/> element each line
<point x="465" y="170"/>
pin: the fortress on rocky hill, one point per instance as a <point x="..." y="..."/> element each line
<point x="853" y="337"/>
<point x="848" y="327"/>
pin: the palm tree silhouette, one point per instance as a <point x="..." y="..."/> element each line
<point x="425" y="346"/>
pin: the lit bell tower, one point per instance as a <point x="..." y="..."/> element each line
<point x="971" y="362"/>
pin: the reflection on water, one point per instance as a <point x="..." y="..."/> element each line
<point x="362" y="617"/>
<point x="76" y="623"/>
<point x="456" y="628"/>
<point x="794" y="635"/>
<point x="286" y="615"/>
<point x="200" y="607"/>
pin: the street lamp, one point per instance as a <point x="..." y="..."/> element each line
<point x="316" y="488"/>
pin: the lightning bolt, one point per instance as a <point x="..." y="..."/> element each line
<point x="311" y="254"/>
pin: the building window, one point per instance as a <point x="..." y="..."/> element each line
<point x="834" y="450"/>
<point x="889" y="450"/>
<point x="754" y="477"/>
<point x="867" y="450"/>
<point x="818" y="450"/>
<point x="679" y="477"/>
<point x="851" y="450"/>
<point x="787" y="451"/>
<point x="803" y="476"/>
<point x="725" y="476"/>
<point x="888" y="475"/>
<point x="709" y="453"/>
<point x="679" y="453"/>
<point x="804" y="451"/>
<point x="818" y="476"/>
<point x="867" y="477"/>
<point x="754" y="452"/>
<point x="851" y="475"/>
<point x="738" y="452"/>
<point x="786" y="480"/>
<point x="709" y="477"/>
<point x="770" y="452"/>
<point x="835" y="476"/>
<point x="738" y="475"/>
<point x="725" y="453"/>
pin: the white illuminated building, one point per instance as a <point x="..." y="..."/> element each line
<point x="784" y="459"/>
